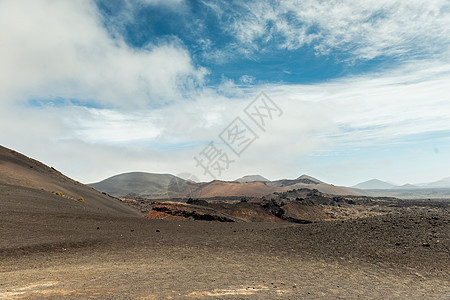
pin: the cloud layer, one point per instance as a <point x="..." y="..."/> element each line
<point x="75" y="95"/>
<point x="61" y="49"/>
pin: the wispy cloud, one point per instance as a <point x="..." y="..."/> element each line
<point x="382" y="107"/>
<point x="361" y="29"/>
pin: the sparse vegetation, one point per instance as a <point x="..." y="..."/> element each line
<point x="59" y="194"/>
<point x="81" y="199"/>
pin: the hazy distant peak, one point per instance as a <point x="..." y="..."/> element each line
<point x="374" y="184"/>
<point x="443" y="183"/>
<point x="251" y="178"/>
<point x="407" y="186"/>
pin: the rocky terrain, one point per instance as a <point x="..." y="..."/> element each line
<point x="391" y="256"/>
<point x="296" y="206"/>
<point x="287" y="245"/>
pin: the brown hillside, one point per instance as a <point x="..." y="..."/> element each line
<point x="219" y="188"/>
<point x="17" y="170"/>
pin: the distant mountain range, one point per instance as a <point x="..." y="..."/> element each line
<point x="376" y="184"/>
<point x="23" y="172"/>
<point x="159" y="186"/>
<point x="443" y="183"/>
<point x="149" y="185"/>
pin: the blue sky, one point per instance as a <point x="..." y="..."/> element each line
<point x="96" y="88"/>
<point x="206" y="29"/>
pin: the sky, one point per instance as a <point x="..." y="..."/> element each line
<point x="344" y="91"/>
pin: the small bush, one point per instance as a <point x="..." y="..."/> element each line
<point x="81" y="199"/>
<point x="59" y="194"/>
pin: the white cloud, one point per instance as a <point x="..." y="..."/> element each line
<point x="52" y="49"/>
<point x="321" y="119"/>
<point x="165" y="2"/>
<point x="365" y="29"/>
<point x="338" y="116"/>
<point x="383" y="107"/>
<point x="247" y="79"/>
<point x="106" y="126"/>
<point x="61" y="49"/>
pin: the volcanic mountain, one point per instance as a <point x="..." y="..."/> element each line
<point x="27" y="184"/>
<point x="218" y="188"/>
<point x="251" y="178"/>
<point x="142" y="184"/>
<point x="160" y="186"/>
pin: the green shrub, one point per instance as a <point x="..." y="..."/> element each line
<point x="81" y="199"/>
<point x="59" y="194"/>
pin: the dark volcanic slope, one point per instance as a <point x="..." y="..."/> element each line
<point x="27" y="184"/>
